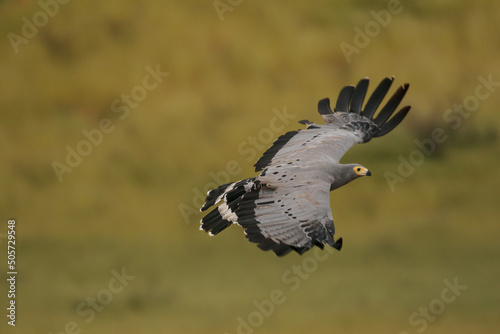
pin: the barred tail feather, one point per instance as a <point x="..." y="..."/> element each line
<point x="224" y="215"/>
<point x="214" y="196"/>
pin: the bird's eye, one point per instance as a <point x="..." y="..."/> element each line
<point x="358" y="169"/>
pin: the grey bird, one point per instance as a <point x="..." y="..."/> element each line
<point x="287" y="206"/>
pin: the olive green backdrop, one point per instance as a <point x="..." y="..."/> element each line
<point x="116" y="116"/>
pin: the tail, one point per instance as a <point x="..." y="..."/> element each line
<point x="224" y="215"/>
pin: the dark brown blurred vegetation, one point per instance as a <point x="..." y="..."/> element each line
<point x="120" y="206"/>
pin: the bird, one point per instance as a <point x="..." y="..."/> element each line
<point x="287" y="206"/>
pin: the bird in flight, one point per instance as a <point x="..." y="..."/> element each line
<point x="287" y="206"/>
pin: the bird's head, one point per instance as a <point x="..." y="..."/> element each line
<point x="358" y="170"/>
<point x="344" y="174"/>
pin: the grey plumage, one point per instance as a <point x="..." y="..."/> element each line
<point x="287" y="206"/>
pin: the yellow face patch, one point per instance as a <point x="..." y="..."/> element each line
<point x="361" y="171"/>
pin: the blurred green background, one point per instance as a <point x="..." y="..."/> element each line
<point x="130" y="203"/>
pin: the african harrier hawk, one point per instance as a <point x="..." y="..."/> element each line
<point x="287" y="206"/>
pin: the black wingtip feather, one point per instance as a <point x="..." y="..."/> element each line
<point x="377" y="97"/>
<point x="391" y="105"/>
<point x="324" y="107"/>
<point x="344" y="99"/>
<point x="338" y="244"/>
<point x="359" y="96"/>
<point x="282" y="249"/>
<point x="393" y="122"/>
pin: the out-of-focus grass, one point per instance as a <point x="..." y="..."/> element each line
<point x="120" y="206"/>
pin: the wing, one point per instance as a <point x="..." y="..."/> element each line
<point x="289" y="217"/>
<point x="345" y="127"/>
<point x="294" y="216"/>
<point x="304" y="146"/>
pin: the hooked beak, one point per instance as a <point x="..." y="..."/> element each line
<point x="368" y="173"/>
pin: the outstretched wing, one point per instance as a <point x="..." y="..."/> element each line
<point x="292" y="216"/>
<point x="289" y="217"/>
<point x="345" y="127"/>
